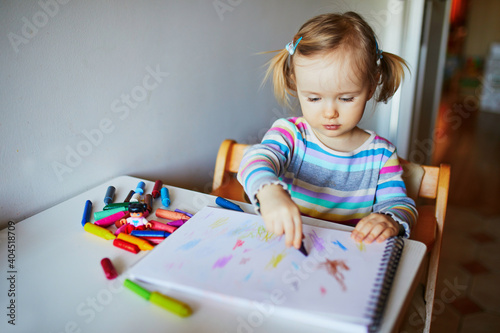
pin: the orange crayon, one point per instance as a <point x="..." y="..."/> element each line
<point x="144" y="245"/>
<point x="170" y="215"/>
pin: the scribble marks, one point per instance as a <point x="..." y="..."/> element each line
<point x="361" y="246"/>
<point x="339" y="244"/>
<point x="265" y="235"/>
<point x="275" y="260"/>
<point x="334" y="267"/>
<point x="248" y="276"/>
<point x="189" y="245"/>
<point x="323" y="290"/>
<point x="318" y="242"/>
<point x="222" y="261"/>
<point x="239" y="243"/>
<point x="219" y="222"/>
<point x="244" y="261"/>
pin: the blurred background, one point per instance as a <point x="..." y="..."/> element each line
<point x="466" y="134"/>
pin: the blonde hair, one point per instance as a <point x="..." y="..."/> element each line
<point x="347" y="32"/>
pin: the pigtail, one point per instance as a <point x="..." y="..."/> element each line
<point x="392" y="73"/>
<point x="279" y="69"/>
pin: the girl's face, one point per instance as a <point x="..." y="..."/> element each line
<point x="332" y="99"/>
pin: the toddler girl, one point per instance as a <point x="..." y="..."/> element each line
<point x="321" y="164"/>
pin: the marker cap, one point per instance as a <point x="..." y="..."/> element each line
<point x="140" y="188"/>
<point x="110" y="194"/>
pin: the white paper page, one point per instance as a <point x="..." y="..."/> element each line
<point x="230" y="256"/>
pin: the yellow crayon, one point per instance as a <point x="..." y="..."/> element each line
<point x="166" y="302"/>
<point x="98" y="231"/>
<point x="170" y="304"/>
<point x="143" y="244"/>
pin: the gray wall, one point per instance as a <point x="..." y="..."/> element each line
<point x="90" y="90"/>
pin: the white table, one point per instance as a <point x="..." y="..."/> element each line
<point x="59" y="284"/>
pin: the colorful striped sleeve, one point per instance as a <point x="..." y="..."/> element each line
<point x="264" y="163"/>
<point x="390" y="196"/>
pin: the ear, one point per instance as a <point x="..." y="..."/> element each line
<point x="293" y="82"/>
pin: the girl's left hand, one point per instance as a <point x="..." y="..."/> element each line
<point x="375" y="226"/>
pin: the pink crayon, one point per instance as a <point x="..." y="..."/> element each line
<point x="155" y="225"/>
<point x="154" y="240"/>
<point x="108" y="268"/>
<point x="120" y="229"/>
<point x="171" y="215"/>
<point x="107" y="221"/>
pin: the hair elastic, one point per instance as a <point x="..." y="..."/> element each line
<point x="291" y="48"/>
<point x="378" y="51"/>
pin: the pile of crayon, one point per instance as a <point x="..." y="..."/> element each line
<point x="113" y="215"/>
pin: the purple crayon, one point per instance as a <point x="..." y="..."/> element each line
<point x="177" y="223"/>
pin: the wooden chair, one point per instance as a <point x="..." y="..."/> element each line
<point x="228" y="161"/>
<point x="427" y="185"/>
<point x="432" y="201"/>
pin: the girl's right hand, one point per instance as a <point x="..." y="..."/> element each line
<point x="281" y="214"/>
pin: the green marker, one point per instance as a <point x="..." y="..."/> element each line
<point x="165" y="302"/>
<point x="108" y="212"/>
<point x="137" y="289"/>
<point x="116" y="205"/>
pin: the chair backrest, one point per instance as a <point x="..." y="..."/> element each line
<point x="226" y="166"/>
<point x="433" y="189"/>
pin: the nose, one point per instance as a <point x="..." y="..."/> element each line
<point x="331" y="112"/>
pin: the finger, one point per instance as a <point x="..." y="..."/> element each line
<point x="375" y="232"/>
<point x="268" y="222"/>
<point x="362" y="229"/>
<point x="298" y="233"/>
<point x="278" y="227"/>
<point x="289" y="227"/>
<point x="389" y="232"/>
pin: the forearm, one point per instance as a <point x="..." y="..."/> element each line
<point x="260" y="166"/>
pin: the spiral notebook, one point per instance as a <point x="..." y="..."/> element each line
<point x="229" y="256"/>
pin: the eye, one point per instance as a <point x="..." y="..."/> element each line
<point x="347" y="99"/>
<point x="313" y="99"/>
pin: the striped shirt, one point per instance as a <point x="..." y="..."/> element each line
<point x="337" y="186"/>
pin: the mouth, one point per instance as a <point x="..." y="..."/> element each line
<point x="331" y="127"/>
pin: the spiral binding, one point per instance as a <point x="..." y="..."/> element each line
<point x="383" y="282"/>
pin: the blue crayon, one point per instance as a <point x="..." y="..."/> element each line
<point x="183" y="212"/>
<point x="150" y="233"/>
<point x="140" y="188"/>
<point x="86" y="212"/>
<point x="227" y="204"/>
<point x="110" y="194"/>
<point x="165" y="197"/>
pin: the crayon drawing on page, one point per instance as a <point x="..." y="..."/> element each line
<point x="275" y="260"/>
<point x="334" y="268"/>
<point x="318" y="242"/>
